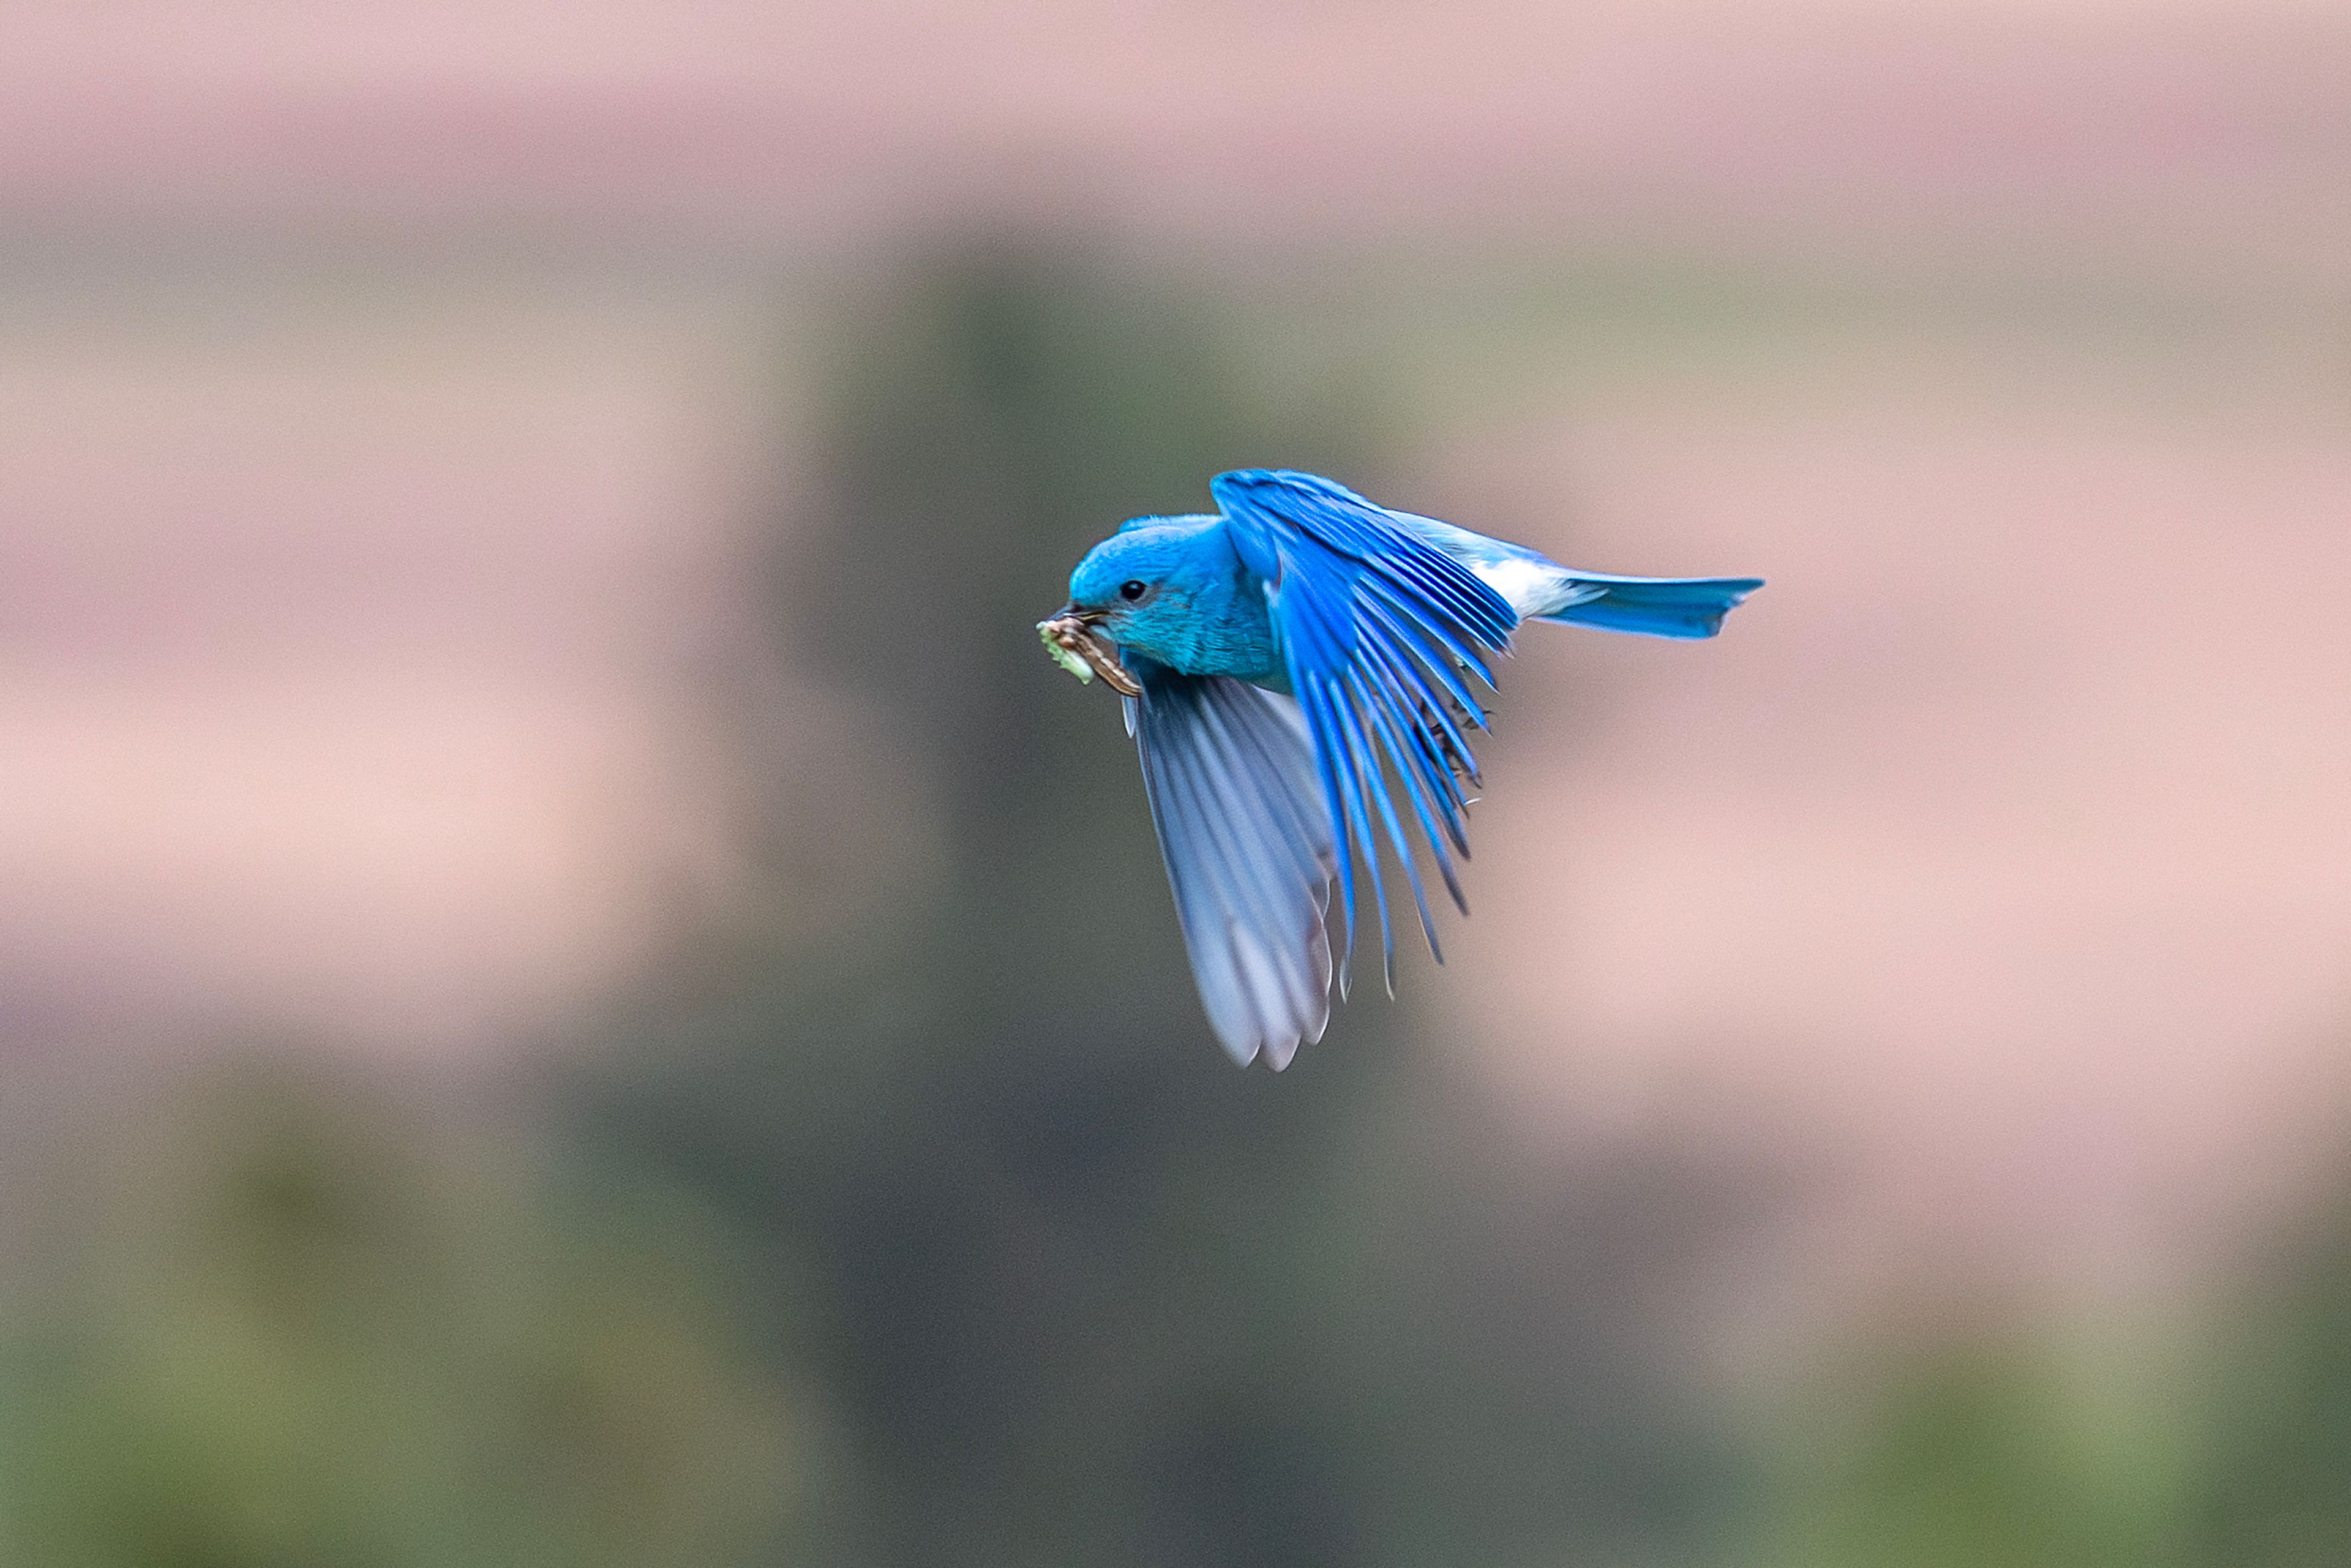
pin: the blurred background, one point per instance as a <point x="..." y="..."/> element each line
<point x="577" y="990"/>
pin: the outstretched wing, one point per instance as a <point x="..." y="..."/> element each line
<point x="1230" y="774"/>
<point x="1378" y="627"/>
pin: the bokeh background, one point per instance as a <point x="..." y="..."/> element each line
<point x="577" y="990"/>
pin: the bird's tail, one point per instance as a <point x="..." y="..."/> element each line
<point x="1653" y="606"/>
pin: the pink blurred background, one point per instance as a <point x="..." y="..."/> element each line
<point x="387" y="392"/>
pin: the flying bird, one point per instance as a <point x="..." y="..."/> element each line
<point x="1296" y="672"/>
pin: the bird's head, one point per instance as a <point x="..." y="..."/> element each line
<point x="1145" y="587"/>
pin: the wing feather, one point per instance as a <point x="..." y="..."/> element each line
<point x="1379" y="627"/>
<point x="1230" y="772"/>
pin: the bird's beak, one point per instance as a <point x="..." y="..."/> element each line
<point x="1073" y="632"/>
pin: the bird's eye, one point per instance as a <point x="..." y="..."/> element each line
<point x="1132" y="589"/>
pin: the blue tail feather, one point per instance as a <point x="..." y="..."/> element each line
<point x="1653" y="606"/>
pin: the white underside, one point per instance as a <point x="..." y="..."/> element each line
<point x="1527" y="582"/>
<point x="1529" y="587"/>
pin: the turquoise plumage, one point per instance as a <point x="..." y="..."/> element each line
<point x="1303" y="669"/>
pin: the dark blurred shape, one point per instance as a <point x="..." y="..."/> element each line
<point x="296" y="1321"/>
<point x="1086" y="1294"/>
<point x="2278" y="1489"/>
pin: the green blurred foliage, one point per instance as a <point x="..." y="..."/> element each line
<point x="2224" y="1444"/>
<point x="2000" y="1454"/>
<point x="297" y="1324"/>
<point x="2276" y="1491"/>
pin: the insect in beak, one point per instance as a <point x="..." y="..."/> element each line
<point x="1069" y="636"/>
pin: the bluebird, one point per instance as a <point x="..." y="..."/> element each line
<point x="1296" y="674"/>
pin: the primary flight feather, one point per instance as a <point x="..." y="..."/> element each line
<point x="1299" y="671"/>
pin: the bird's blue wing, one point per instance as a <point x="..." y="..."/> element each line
<point x="1378" y="628"/>
<point x="1230" y="775"/>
